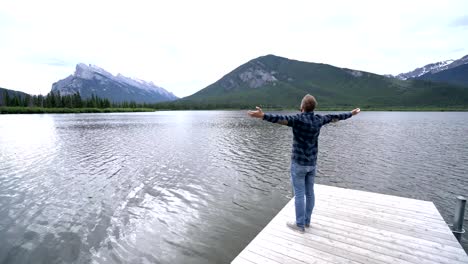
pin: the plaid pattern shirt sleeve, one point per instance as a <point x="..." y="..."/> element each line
<point x="334" y="117"/>
<point x="306" y="130"/>
<point x="276" y="118"/>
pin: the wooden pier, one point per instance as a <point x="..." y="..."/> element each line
<point x="350" y="226"/>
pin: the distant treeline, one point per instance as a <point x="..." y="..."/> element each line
<point x="191" y="105"/>
<point x="13" y="102"/>
<point x="75" y="101"/>
<point x="56" y="100"/>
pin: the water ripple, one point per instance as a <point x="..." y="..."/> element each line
<point x="195" y="187"/>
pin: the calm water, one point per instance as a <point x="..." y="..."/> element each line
<point x="196" y="187"/>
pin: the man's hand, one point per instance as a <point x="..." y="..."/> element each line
<point x="355" y="111"/>
<point x="257" y="113"/>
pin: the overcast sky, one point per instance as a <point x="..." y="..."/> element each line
<point x="183" y="46"/>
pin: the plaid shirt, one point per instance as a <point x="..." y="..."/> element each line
<point x="306" y="129"/>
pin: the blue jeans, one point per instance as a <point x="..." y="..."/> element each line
<point x="302" y="179"/>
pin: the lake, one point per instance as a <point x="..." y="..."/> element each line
<point x="197" y="186"/>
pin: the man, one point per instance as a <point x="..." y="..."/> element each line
<point x="306" y="129"/>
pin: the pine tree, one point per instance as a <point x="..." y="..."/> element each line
<point x="16" y="100"/>
<point x="77" y="100"/>
<point x="94" y="103"/>
<point x="106" y="103"/>
<point x="6" y="98"/>
<point x="40" y="101"/>
<point x="2" y="99"/>
<point x="50" y="99"/>
<point x="27" y="102"/>
<point x="58" y="100"/>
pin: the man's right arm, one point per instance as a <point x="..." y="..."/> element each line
<point x="286" y="120"/>
<point x="280" y="119"/>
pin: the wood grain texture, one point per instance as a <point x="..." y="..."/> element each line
<point x="350" y="226"/>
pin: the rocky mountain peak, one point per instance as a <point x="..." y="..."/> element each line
<point x="433" y="68"/>
<point x="257" y="75"/>
<point x="89" y="71"/>
<point x="90" y="79"/>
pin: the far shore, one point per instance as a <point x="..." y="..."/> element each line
<point x="41" y="110"/>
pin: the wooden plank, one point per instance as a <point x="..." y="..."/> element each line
<point x="423" y="208"/>
<point x="259" y="244"/>
<point x="401" y="216"/>
<point x="378" y="247"/>
<point x="315" y="244"/>
<point x="393" y="227"/>
<point x="366" y="220"/>
<point x="441" y="232"/>
<point x="371" y="195"/>
<point x="440" y="226"/>
<point x="350" y="226"/>
<point x="396" y="220"/>
<point x="339" y="247"/>
<point x="426" y="210"/>
<point x="253" y="257"/>
<point x="335" y="203"/>
<point x="398" y="201"/>
<point x="284" y="255"/>
<point x="242" y="259"/>
<point x="404" y="238"/>
<point x="304" y="251"/>
<point x="391" y="243"/>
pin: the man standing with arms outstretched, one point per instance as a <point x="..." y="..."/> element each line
<point x="306" y="129"/>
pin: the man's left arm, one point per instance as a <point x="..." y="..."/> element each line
<point x="336" y="117"/>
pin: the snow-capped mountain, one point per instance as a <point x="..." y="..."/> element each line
<point x="433" y="68"/>
<point x="91" y="79"/>
<point x="455" y="75"/>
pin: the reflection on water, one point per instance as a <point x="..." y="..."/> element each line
<point x="195" y="187"/>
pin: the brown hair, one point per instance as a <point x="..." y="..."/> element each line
<point x="308" y="103"/>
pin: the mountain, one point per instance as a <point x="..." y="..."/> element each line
<point x="433" y="68"/>
<point x="280" y="82"/>
<point x="90" y="79"/>
<point x="457" y="75"/>
<point x="11" y="94"/>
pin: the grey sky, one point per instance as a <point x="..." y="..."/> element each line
<point x="184" y="46"/>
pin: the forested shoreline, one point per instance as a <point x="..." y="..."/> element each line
<point x="20" y="103"/>
<point x="16" y="103"/>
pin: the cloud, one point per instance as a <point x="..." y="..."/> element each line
<point x="54" y="62"/>
<point x="460" y="22"/>
<point x="58" y="63"/>
<point x="184" y="46"/>
<point x="457" y="50"/>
